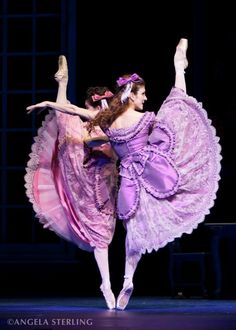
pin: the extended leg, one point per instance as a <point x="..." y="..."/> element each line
<point x="101" y="255"/>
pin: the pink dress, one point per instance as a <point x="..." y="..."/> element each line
<point x="72" y="188"/>
<point x="169" y="168"/>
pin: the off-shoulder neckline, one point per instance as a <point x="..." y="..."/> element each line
<point x="131" y="126"/>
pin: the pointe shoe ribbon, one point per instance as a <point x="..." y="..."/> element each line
<point x="124" y="296"/>
<point x="109" y="297"/>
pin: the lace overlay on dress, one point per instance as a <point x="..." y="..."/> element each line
<point x="63" y="190"/>
<point x="191" y="143"/>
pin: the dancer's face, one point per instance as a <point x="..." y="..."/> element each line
<point x="139" y="98"/>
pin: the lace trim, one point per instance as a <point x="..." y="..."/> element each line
<point x="101" y="204"/>
<point x="32" y="166"/>
<point x="170" y="134"/>
<point x="202" y="113"/>
<point x="49" y="132"/>
<point x="152" y="189"/>
<point x="131" y="174"/>
<point x="216" y="155"/>
<point x="33" y="163"/>
<point x="127" y="133"/>
<point x="133" y="209"/>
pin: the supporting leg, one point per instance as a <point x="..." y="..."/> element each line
<point x="101" y="257"/>
<point x="131" y="263"/>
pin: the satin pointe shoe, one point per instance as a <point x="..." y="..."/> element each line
<point x="124" y="296"/>
<point x="109" y="297"/>
<point x="62" y="73"/>
<point x="180" y="59"/>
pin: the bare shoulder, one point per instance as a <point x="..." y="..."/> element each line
<point x="127" y="119"/>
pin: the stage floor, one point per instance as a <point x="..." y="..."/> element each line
<point x="146" y="313"/>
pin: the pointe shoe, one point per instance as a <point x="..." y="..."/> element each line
<point x="183" y="45"/>
<point x="109" y="297"/>
<point x="180" y="59"/>
<point x="62" y="73"/>
<point x="124" y="296"/>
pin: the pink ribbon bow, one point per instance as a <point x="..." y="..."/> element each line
<point x="106" y="95"/>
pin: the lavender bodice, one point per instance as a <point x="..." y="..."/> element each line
<point x="145" y="153"/>
<point x="127" y="147"/>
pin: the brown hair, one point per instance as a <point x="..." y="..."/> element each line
<point x="105" y="118"/>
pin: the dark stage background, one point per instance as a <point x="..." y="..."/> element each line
<point x="103" y="40"/>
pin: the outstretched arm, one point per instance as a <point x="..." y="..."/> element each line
<point x="92" y="142"/>
<point x="62" y="104"/>
<point x="181" y="63"/>
<point x="66" y="108"/>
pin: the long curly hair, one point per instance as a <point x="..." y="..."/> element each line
<point x="105" y="118"/>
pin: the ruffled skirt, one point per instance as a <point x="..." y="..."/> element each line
<point x="196" y="154"/>
<point x="71" y="189"/>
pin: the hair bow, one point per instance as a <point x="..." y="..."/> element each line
<point x="133" y="78"/>
<point x="97" y="97"/>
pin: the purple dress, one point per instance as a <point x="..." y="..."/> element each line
<point x="169" y="169"/>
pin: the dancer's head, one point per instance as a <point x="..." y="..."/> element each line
<point x="130" y="93"/>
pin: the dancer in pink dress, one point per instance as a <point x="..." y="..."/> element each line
<point x="73" y="187"/>
<point x="169" y="164"/>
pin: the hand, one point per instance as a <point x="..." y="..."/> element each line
<point x="42" y="105"/>
<point x="96" y="141"/>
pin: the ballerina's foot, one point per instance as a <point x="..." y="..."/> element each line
<point x="124" y="296"/>
<point x="62" y="73"/>
<point x="180" y="59"/>
<point x="109" y="297"/>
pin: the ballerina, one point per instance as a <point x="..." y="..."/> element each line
<point x="73" y="187"/>
<point x="169" y="165"/>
